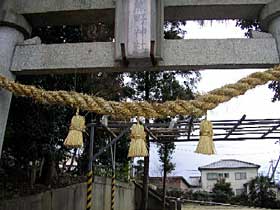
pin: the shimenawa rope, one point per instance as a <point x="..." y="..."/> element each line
<point x="126" y="110"/>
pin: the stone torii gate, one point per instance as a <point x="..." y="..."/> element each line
<point x="139" y="43"/>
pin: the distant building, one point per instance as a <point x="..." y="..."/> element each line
<point x="195" y="182"/>
<point x="172" y="183"/>
<point x="236" y="172"/>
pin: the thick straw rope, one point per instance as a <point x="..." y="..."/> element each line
<point x="125" y="110"/>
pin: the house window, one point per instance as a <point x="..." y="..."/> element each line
<point x="239" y="191"/>
<point x="216" y="176"/>
<point x="223" y="175"/>
<point x="240" y="175"/>
<point x="212" y="176"/>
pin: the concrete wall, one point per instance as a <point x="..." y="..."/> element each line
<point x="74" y="198"/>
<point x="155" y="200"/>
<point x="208" y="185"/>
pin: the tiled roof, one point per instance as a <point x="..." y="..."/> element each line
<point x="229" y="163"/>
<point x="170" y="178"/>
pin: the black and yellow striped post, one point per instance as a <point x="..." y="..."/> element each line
<point x="89" y="190"/>
<point x="113" y="190"/>
<point x="90" y="172"/>
<point x="113" y="186"/>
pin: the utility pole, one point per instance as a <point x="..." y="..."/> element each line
<point x="270" y="167"/>
<point x="274" y="169"/>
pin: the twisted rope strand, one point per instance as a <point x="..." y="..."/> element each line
<point x="125" y="110"/>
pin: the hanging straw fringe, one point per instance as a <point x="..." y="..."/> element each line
<point x="206" y="145"/>
<point x="138" y="147"/>
<point x="74" y="138"/>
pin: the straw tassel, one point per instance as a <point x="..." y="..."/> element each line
<point x="138" y="147"/>
<point x="74" y="138"/>
<point x="206" y="145"/>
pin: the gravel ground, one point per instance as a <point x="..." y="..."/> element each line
<point x="207" y="207"/>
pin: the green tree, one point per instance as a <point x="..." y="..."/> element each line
<point x="173" y="29"/>
<point x="200" y="196"/>
<point x="248" y="25"/>
<point x="37" y="133"/>
<point x="222" y="191"/>
<point x="165" y="156"/>
<point x="261" y="193"/>
<point x="165" y="153"/>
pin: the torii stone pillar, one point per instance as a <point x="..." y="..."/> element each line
<point x="137" y="24"/>
<point x="270" y="20"/>
<point x="13" y="30"/>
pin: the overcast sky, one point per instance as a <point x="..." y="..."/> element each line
<point x="255" y="104"/>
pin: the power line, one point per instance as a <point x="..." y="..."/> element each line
<point x="245" y="154"/>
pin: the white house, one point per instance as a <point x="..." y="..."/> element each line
<point x="235" y="172"/>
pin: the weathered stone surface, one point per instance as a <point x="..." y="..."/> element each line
<point x="64" y="57"/>
<point x="43" y="6"/>
<point x="9" y="38"/>
<point x="274" y="28"/>
<point x="46" y="201"/>
<point x="134" y="27"/>
<point x="213" y="9"/>
<point x="74" y="198"/>
<point x="260" y="35"/>
<point x="125" y="196"/>
<point x="219" y="53"/>
<point x="68" y="12"/>
<point x="99" y="193"/>
<point x="40" y="201"/>
<point x="270" y="20"/>
<point x="80" y="194"/>
<point x="269" y="12"/>
<point x="87" y="11"/>
<point x="8" y="17"/>
<point x="33" y="41"/>
<point x="177" y="54"/>
<point x="148" y="27"/>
